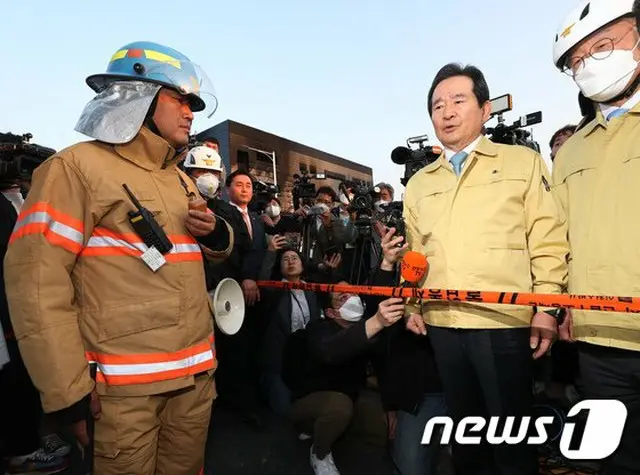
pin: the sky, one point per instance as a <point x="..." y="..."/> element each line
<point x="349" y="77"/>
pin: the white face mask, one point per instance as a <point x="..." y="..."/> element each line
<point x="381" y="204"/>
<point x="344" y="199"/>
<point x="208" y="184"/>
<point x="273" y="211"/>
<point x="603" y="79"/>
<point x="352" y="310"/>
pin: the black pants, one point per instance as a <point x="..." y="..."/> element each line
<point x="20" y="407"/>
<point x="611" y="373"/>
<point x="487" y="373"/>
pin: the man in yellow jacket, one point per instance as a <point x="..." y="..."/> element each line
<point x="597" y="175"/>
<point x="485" y="217"/>
<point x="90" y="281"/>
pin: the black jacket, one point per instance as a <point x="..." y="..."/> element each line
<point x="8" y="218"/>
<point x="326" y="357"/>
<point x="246" y="256"/>
<point x="404" y="362"/>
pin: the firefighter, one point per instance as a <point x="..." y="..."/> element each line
<point x="90" y="283"/>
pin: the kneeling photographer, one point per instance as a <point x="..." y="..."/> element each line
<point x="325" y="367"/>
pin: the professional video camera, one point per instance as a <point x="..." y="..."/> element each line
<point x="263" y="193"/>
<point x="513" y="134"/>
<point x="303" y="189"/>
<point x="415" y="159"/>
<point x="362" y="204"/>
<point x="18" y="157"/>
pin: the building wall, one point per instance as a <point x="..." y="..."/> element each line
<point x="291" y="158"/>
<point x="221" y="133"/>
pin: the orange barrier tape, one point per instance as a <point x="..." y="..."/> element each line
<point x="581" y="302"/>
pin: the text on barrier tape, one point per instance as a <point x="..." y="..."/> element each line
<point x="580" y="302"/>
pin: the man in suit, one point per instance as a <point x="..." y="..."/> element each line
<point x="238" y="374"/>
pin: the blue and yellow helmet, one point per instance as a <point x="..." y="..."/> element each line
<point x="155" y="63"/>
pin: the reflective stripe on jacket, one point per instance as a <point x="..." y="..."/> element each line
<point x="79" y="290"/>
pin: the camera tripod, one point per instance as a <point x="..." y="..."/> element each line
<point x="365" y="253"/>
<point x="306" y="239"/>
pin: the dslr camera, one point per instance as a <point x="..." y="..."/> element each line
<point x="391" y="216"/>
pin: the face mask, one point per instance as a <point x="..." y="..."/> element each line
<point x="208" y="184"/>
<point x="344" y="199"/>
<point x="381" y="204"/>
<point x="352" y="310"/>
<point x="603" y="79"/>
<point x="273" y="211"/>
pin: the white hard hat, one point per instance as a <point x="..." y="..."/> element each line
<point x="203" y="157"/>
<point x="588" y="17"/>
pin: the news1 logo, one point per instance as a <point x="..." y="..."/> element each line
<point x="601" y="436"/>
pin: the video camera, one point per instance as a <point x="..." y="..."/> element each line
<point x="303" y="189"/>
<point x="414" y="159"/>
<point x="263" y="193"/>
<point x="513" y="134"/>
<point x="19" y="158"/>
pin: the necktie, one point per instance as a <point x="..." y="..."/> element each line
<point x="457" y="160"/>
<point x="247" y="221"/>
<point x="617" y="113"/>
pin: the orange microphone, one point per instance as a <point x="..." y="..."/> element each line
<point x="413" y="268"/>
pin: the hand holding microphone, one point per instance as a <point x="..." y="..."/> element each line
<point x="413" y="268"/>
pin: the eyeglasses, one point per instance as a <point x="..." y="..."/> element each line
<point x="599" y="51"/>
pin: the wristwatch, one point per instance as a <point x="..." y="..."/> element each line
<point x="558" y="313"/>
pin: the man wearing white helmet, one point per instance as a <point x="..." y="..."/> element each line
<point x="204" y="165"/>
<point x="596" y="173"/>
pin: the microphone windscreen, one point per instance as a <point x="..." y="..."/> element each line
<point x="413" y="267"/>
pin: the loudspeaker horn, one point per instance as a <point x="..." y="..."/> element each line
<point x="228" y="306"/>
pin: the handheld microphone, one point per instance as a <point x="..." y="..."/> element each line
<point x="413" y="268"/>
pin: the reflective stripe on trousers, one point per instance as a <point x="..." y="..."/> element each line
<point x="121" y="370"/>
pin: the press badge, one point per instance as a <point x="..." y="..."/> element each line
<point x="153" y="259"/>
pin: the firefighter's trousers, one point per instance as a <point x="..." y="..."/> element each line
<point x="162" y="434"/>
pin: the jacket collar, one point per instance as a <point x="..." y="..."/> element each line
<point x="602" y="122"/>
<point x="149" y="151"/>
<point x="485" y="147"/>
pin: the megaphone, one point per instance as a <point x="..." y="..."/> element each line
<point x="228" y="306"/>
